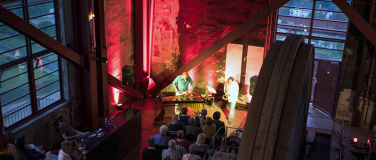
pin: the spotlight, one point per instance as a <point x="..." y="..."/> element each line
<point x="355" y="140"/>
<point x="119" y="106"/>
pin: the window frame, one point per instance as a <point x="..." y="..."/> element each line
<point x="30" y="58"/>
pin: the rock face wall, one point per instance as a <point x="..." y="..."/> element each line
<point x="119" y="36"/>
<point x="185" y="28"/>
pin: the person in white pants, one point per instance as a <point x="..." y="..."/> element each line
<point x="232" y="91"/>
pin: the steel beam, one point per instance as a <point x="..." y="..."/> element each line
<point x="119" y="85"/>
<point x="101" y="53"/>
<point x="38" y="36"/>
<point x="357" y="20"/>
<point x="237" y="32"/>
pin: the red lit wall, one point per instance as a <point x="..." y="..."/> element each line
<point x="184" y="28"/>
<point x="119" y="42"/>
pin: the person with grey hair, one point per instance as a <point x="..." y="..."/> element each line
<point x="162" y="139"/>
<point x="151" y="153"/>
<point x="171" y="151"/>
<point x="174" y="127"/>
<point x="191" y="154"/>
<point x="200" y="145"/>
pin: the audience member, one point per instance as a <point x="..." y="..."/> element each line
<point x="151" y="153"/>
<point x="204" y="112"/>
<point x="183" y="116"/>
<point x="208" y="129"/>
<point x="30" y="150"/>
<point x="175" y="126"/>
<point x="191" y="154"/>
<point x="4" y="150"/>
<point x="180" y="141"/>
<point x="162" y="139"/>
<point x="66" y="131"/>
<point x="64" y="153"/>
<point x="191" y="128"/>
<point x="171" y="151"/>
<point x="201" y="147"/>
<point x="75" y="152"/>
<point x="218" y="123"/>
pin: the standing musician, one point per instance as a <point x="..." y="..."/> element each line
<point x="232" y="91"/>
<point x="181" y="84"/>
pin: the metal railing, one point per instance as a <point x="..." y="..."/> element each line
<point x="24" y="110"/>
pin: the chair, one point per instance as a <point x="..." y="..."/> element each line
<point x="160" y="148"/>
<point x="190" y="137"/>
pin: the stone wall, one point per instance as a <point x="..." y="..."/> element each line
<point x="120" y="41"/>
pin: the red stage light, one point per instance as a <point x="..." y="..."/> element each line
<point x="355" y="140"/>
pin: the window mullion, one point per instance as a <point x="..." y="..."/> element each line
<point x="311" y="24"/>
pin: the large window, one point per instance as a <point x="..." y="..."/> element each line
<point x="327" y="31"/>
<point x="29" y="73"/>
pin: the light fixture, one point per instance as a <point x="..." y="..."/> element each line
<point x="119" y="106"/>
<point x="355" y="140"/>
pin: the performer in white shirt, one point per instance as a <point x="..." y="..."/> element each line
<point x="232" y="91"/>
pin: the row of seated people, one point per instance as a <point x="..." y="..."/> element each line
<point x="22" y="149"/>
<point x="192" y="127"/>
<point x="176" y="149"/>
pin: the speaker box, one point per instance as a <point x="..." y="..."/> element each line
<point x="127" y="73"/>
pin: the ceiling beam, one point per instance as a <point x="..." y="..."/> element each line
<point x="357" y="20"/>
<point x="120" y="86"/>
<point x="237" y="32"/>
<point x="25" y="28"/>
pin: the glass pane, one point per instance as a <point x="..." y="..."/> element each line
<point x="328" y="44"/>
<point x="329" y="34"/>
<point x="330" y="25"/>
<point x="326" y="54"/>
<point x="328" y="6"/>
<point x="280" y="38"/>
<point x="47" y="81"/>
<point x="330" y="16"/>
<point x="294" y="12"/>
<point x="15" y="94"/>
<point x="6" y="31"/>
<point x="12" y="5"/>
<point x="44" y="21"/>
<point x="6" y="57"/>
<point x="12" y="43"/>
<point x="41" y="9"/>
<point x="18" y="12"/>
<point x="292" y="21"/>
<point x="293" y="30"/>
<point x="51" y="31"/>
<point x="300" y="4"/>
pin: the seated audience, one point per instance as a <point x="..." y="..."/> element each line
<point x="151" y="153"/>
<point x="183" y="116"/>
<point x="75" y="152"/>
<point x="204" y="112"/>
<point x="66" y="131"/>
<point x="200" y="145"/>
<point x="64" y="153"/>
<point x="191" y="154"/>
<point x="208" y="129"/>
<point x="171" y="151"/>
<point x="191" y="129"/>
<point x="218" y="123"/>
<point x="162" y="139"/>
<point x="180" y="141"/>
<point x="4" y="150"/>
<point x="175" y="126"/>
<point x="30" y="150"/>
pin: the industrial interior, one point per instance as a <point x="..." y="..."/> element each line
<point x="187" y="79"/>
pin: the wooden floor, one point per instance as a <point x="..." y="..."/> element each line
<point x="148" y="114"/>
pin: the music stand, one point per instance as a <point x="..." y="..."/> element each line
<point x="213" y="91"/>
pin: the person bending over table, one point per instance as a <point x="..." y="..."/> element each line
<point x="180" y="85"/>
